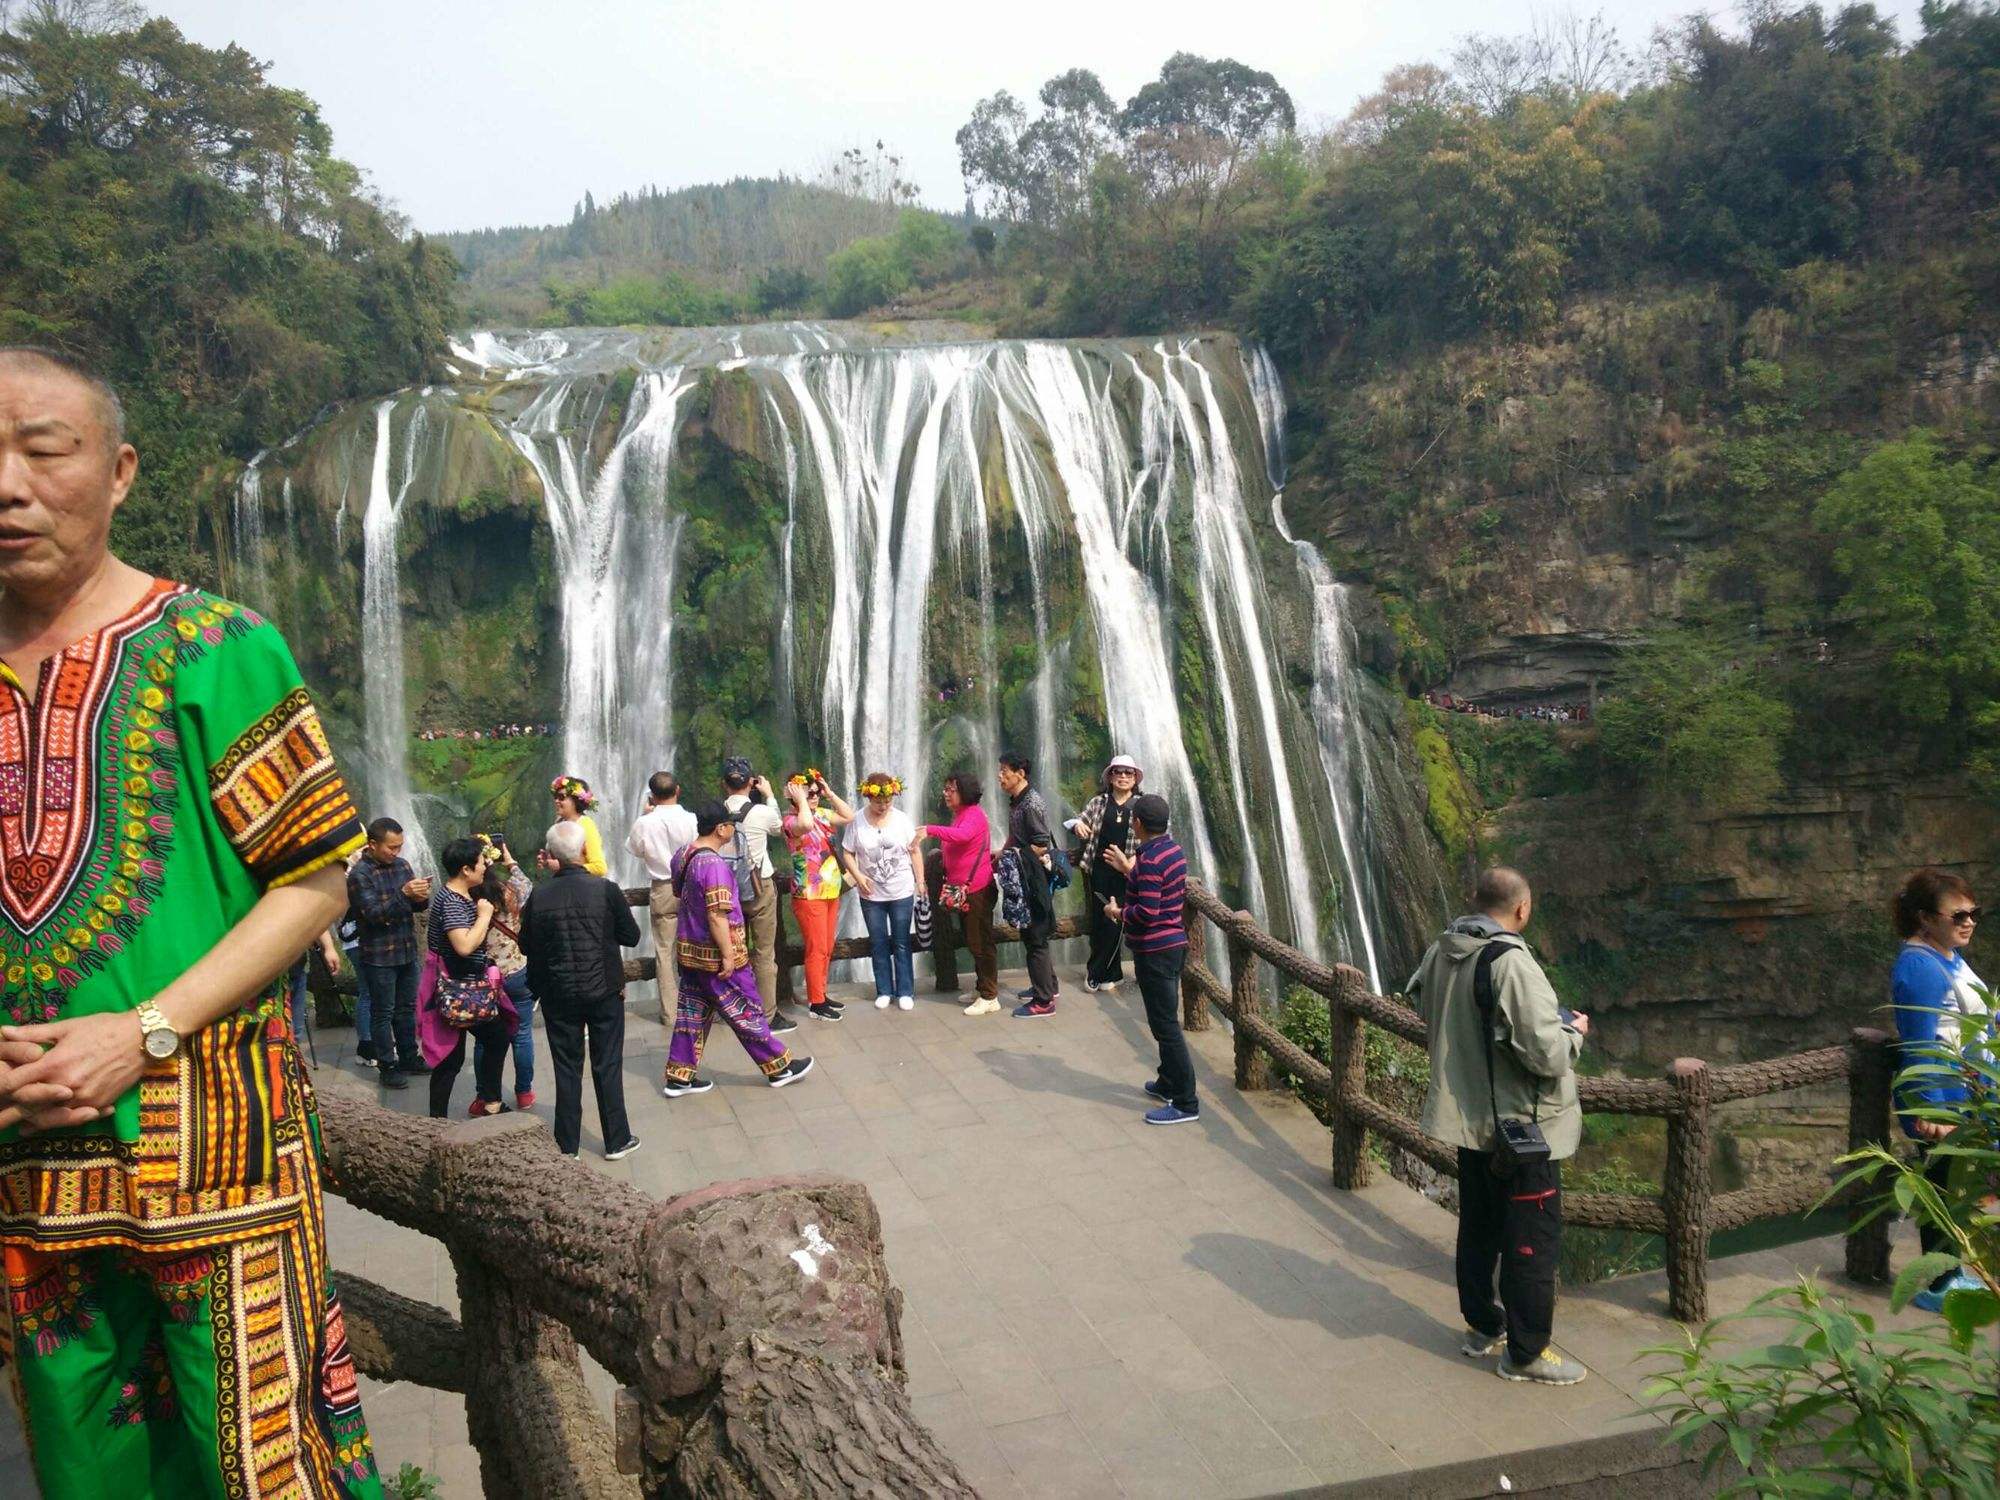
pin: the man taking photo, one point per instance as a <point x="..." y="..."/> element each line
<point x="1503" y="1091"/>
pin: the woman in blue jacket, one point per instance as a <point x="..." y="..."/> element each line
<point x="1935" y="995"/>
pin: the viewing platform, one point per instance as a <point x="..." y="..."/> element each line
<point x="1096" y="1307"/>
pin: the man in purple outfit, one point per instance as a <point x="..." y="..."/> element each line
<point x="714" y="960"/>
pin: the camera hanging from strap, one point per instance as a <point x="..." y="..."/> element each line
<point x="1516" y="1143"/>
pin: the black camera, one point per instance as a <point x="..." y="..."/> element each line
<point x="1521" y="1143"/>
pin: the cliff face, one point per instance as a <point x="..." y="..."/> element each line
<point x="1522" y="517"/>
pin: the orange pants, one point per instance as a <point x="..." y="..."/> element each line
<point x="817" y="920"/>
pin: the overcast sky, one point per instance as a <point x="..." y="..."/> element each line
<point x="504" y="112"/>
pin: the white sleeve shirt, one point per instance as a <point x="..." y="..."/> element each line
<point x="660" y="834"/>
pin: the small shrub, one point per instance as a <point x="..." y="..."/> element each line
<point x="412" y="1483"/>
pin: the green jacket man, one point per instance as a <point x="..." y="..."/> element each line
<point x="1523" y="1068"/>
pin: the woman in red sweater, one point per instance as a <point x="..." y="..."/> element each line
<point x="967" y="843"/>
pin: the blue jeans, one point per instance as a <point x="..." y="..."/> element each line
<point x="889" y="944"/>
<point x="363" y="1030"/>
<point x="516" y="986"/>
<point x="298" y="1000"/>
<point x="392" y="996"/>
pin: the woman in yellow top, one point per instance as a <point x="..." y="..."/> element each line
<point x="574" y="801"/>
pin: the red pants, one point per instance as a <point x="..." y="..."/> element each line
<point x="817" y="920"/>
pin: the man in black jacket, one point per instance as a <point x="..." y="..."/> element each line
<point x="571" y="931"/>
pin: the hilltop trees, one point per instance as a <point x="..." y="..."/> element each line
<point x="184" y="223"/>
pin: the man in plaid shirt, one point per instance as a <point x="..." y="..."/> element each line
<point x="385" y="895"/>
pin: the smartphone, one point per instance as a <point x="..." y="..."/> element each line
<point x="1566" y="1015"/>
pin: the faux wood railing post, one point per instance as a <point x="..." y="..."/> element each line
<point x="1347" y="1056"/>
<point x="1871" y="1068"/>
<point x="1688" y="1190"/>
<point x="1253" y="1068"/>
<point x="1194" y="1003"/>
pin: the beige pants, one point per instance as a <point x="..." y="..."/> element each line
<point x="760" y="917"/>
<point x="666" y="909"/>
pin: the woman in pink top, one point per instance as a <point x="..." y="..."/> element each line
<point x="967" y="843"/>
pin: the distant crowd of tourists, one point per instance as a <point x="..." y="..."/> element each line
<point x="1546" y="713"/>
<point x="492" y="732"/>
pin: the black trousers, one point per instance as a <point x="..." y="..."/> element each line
<point x="1106" y="936"/>
<point x="1041" y="927"/>
<point x="602" y="1022"/>
<point x="485" y="1069"/>
<point x="1159" y="977"/>
<point x="1515" y="1223"/>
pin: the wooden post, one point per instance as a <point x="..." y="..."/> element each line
<point x="1348" y="1058"/>
<point x="1871" y="1068"/>
<point x="1194" y="1002"/>
<point x="1688" y="1190"/>
<point x="1253" y="1069"/>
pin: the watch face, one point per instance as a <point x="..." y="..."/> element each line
<point x="162" y="1043"/>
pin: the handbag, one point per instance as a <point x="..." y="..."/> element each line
<point x="956" y="898"/>
<point x="1516" y="1143"/>
<point x="922" y="927"/>
<point x="467" y="1002"/>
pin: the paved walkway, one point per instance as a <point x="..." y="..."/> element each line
<point x="1096" y="1307"/>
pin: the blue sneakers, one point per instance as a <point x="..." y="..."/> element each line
<point x="1033" y="1009"/>
<point x="1153" y="1088"/>
<point x="1931" y="1299"/>
<point x="1168" y="1114"/>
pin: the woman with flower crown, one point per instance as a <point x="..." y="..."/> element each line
<point x="882" y="842"/>
<point x="817" y="811"/>
<point x="574" y="801"/>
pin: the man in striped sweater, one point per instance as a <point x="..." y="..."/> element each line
<point x="1155" y="888"/>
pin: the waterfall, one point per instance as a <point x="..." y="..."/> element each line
<point x="386" y="726"/>
<point x="1335" y="712"/>
<point x="616" y="546"/>
<point x="1079" y="528"/>
<point x="253" y="579"/>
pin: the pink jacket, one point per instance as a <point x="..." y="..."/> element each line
<point x="968" y="848"/>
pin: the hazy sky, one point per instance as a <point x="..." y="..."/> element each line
<point x="504" y="112"/>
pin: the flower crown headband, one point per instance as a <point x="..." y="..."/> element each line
<point x="572" y="788"/>
<point x="808" y="778"/>
<point x="889" y="787"/>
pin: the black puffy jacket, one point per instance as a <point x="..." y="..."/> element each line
<point x="571" y="930"/>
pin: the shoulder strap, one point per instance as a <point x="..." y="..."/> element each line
<point x="1489" y="1005"/>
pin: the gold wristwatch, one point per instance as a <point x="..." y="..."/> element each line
<point x="161" y="1040"/>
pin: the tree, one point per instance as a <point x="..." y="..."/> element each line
<point x="1916" y="539"/>
<point x="1193" y="126"/>
<point x="1688" y="717"/>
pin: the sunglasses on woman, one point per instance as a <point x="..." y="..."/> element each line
<point x="1965" y="914"/>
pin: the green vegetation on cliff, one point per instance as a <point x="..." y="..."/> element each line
<point x="180" y="221"/>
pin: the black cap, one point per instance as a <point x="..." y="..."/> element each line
<point x="1151" y="810"/>
<point x="711" y="816"/>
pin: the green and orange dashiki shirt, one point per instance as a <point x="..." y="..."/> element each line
<point x="170" y="769"/>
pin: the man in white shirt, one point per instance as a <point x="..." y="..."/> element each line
<point x="758" y="823"/>
<point x="661" y="832"/>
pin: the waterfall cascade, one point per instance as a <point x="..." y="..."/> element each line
<point x="977" y="545"/>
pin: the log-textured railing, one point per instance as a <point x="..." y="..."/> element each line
<point x="752" y="1325"/>
<point x="1688" y="1210"/>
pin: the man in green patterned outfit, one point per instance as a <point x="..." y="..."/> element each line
<point x="172" y="829"/>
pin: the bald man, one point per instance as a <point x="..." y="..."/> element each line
<point x="172" y="835"/>
<point x="1519" y="1066"/>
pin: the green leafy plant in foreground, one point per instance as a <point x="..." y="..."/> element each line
<point x="412" y="1483"/>
<point x="1834" y="1404"/>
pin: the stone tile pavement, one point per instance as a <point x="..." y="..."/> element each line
<point x="1095" y="1307"/>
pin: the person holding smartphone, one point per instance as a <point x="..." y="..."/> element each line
<point x="818" y="874"/>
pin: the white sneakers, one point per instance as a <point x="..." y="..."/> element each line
<point x="906" y="1002"/>
<point x="982" y="1007"/>
<point x="881" y="1002"/>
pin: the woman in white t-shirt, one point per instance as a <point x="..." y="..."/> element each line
<point x="882" y="841"/>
